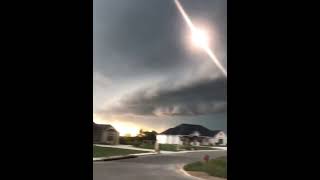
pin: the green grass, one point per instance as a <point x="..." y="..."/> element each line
<point x="107" y="151"/>
<point x="205" y="148"/>
<point x="173" y="147"/>
<point x="189" y="147"/>
<point x="215" y="167"/>
<point x="146" y="146"/>
<point x="163" y="147"/>
<point x="168" y="147"/>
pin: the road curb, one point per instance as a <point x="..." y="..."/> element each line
<point x="181" y="168"/>
<point x="145" y="154"/>
<point x="187" y="174"/>
<point x="123" y="157"/>
<point x="177" y="152"/>
<point x="114" y="158"/>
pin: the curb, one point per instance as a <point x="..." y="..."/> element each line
<point x="115" y="158"/>
<point x="145" y="154"/>
<point x="187" y="174"/>
<point x="181" y="169"/>
<point x="111" y="158"/>
<point x="177" y="152"/>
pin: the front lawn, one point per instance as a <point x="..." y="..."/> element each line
<point x="205" y="148"/>
<point x="163" y="147"/>
<point x="173" y="147"/>
<point x="215" y="167"/>
<point x="189" y="147"/>
<point x="168" y="147"/>
<point x="145" y="146"/>
<point x="108" y="151"/>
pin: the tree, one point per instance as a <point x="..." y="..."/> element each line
<point x="141" y="133"/>
<point x="147" y="135"/>
<point x="150" y="135"/>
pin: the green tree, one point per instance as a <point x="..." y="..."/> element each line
<point x="150" y="135"/>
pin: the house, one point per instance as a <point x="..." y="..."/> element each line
<point x="189" y="134"/>
<point x="105" y="134"/>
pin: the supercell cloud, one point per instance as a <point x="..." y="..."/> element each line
<point x="144" y="67"/>
<point x="205" y="97"/>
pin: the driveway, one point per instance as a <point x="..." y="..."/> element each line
<point x="153" y="167"/>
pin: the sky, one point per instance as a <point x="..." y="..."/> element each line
<point x="146" y="72"/>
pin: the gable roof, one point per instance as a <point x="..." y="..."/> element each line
<point x="102" y="126"/>
<point x="188" y="129"/>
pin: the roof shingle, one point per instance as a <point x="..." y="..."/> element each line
<point x="188" y="129"/>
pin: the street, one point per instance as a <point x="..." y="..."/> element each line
<point x="153" y="167"/>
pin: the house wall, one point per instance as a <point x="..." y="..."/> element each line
<point x="101" y="136"/>
<point x="168" y="139"/>
<point x="114" y="135"/>
<point x="175" y="139"/>
<point x="97" y="133"/>
<point x="205" y="141"/>
<point x="220" y="135"/>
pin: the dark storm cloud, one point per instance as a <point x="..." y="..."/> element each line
<point x="140" y="38"/>
<point x="143" y="37"/>
<point x="141" y="44"/>
<point x="201" y="98"/>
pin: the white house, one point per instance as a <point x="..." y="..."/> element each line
<point x="192" y="134"/>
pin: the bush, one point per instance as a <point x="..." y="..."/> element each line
<point x="137" y="144"/>
<point x="127" y="140"/>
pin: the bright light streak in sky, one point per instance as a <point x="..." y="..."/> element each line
<point x="194" y="30"/>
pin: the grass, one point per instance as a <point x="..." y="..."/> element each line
<point x="107" y="151"/>
<point x="205" y="148"/>
<point x="173" y="147"/>
<point x="146" y="146"/>
<point x="163" y="147"/>
<point x="189" y="147"/>
<point x="215" y="167"/>
<point x="168" y="147"/>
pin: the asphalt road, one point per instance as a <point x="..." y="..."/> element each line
<point x="154" y="167"/>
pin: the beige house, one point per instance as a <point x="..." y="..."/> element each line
<point x="105" y="134"/>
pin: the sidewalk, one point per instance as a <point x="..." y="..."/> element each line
<point x="222" y="148"/>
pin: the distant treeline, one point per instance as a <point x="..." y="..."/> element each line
<point x="144" y="137"/>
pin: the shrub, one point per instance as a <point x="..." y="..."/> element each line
<point x="136" y="144"/>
